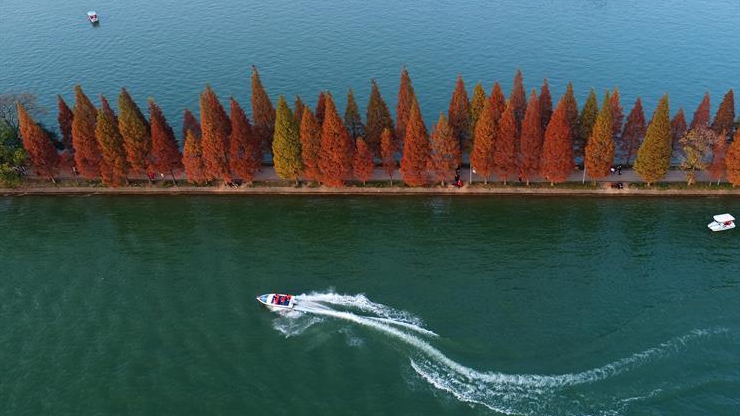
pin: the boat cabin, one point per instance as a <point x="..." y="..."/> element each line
<point x="281" y="300"/>
<point x="92" y="17"/>
<point x="722" y="222"/>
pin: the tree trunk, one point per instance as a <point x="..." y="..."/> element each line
<point x="690" y="177"/>
<point x="174" y="182"/>
<point x="53" y="180"/>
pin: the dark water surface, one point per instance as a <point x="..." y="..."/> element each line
<point x="170" y="49"/>
<point x="542" y="306"/>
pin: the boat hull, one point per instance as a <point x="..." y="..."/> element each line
<point x="269" y="301"/>
<point x="718" y="226"/>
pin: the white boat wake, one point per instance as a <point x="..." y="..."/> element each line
<point x="504" y="393"/>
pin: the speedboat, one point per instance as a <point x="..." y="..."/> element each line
<point x="722" y="222"/>
<point x="92" y="17"/>
<point x="276" y="301"/>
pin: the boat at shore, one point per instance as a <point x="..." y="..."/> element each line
<point x="722" y="222"/>
<point x="277" y="301"/>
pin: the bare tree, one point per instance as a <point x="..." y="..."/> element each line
<point x="696" y="145"/>
<point x="9" y="104"/>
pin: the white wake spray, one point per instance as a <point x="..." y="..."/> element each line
<point x="504" y="393"/>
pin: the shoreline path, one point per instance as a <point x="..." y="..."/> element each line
<point x="268" y="183"/>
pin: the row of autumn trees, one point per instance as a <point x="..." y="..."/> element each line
<point x="518" y="137"/>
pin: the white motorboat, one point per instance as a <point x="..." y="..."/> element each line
<point x="722" y="222"/>
<point x="276" y="301"/>
<point x="92" y="17"/>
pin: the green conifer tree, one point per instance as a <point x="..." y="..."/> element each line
<point x="378" y="118"/>
<point x="599" y="155"/>
<point x="134" y="130"/>
<point x="571" y="110"/>
<point x="476" y="106"/>
<point x="286" y="144"/>
<point x="586" y="121"/>
<point x="352" y="118"/>
<point x="654" y="155"/>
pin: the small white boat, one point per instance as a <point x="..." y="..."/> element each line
<point x="722" y="222"/>
<point x="275" y="301"/>
<point x="92" y="17"/>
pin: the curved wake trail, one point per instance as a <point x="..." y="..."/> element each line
<point x="505" y="393"/>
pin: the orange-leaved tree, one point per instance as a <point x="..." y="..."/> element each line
<point x="498" y="101"/>
<point x="504" y="149"/>
<point x="262" y="111"/>
<point x="459" y="113"/>
<point x="634" y="132"/>
<point x="599" y="156"/>
<point x="321" y="107"/>
<point x="518" y="99"/>
<point x="87" y="151"/>
<point x="701" y="115"/>
<point x="406" y="97"/>
<point x="545" y="104"/>
<point x="724" y="120"/>
<point x="481" y="158"/>
<point x="113" y="167"/>
<point x="557" y="149"/>
<point x="189" y="122"/>
<point x="719" y="152"/>
<point x="387" y="150"/>
<point x="105" y="106"/>
<point x="65" y="117"/>
<point x="38" y="145"/>
<point x="617" y="115"/>
<point x="445" y="152"/>
<point x="362" y="165"/>
<point x="531" y="141"/>
<point x="678" y="128"/>
<point x="310" y="133"/>
<point x="335" y="155"/>
<point x="166" y="155"/>
<point x="732" y="160"/>
<point x="215" y="140"/>
<point x="245" y="152"/>
<point x="416" y="150"/>
<point x="192" y="158"/>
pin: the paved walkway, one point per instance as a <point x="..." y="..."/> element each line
<point x="267" y="174"/>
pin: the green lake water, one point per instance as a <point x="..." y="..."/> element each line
<point x="415" y="306"/>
